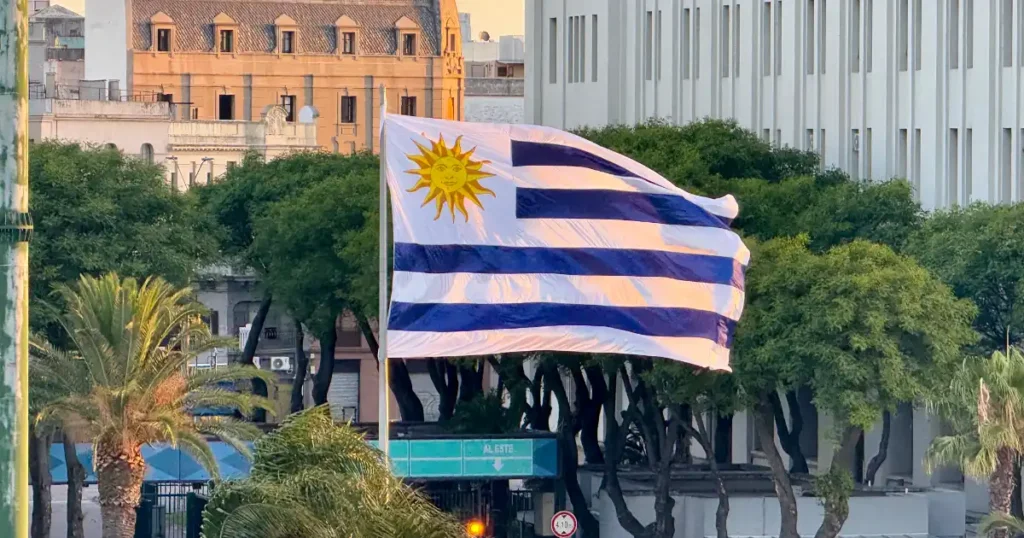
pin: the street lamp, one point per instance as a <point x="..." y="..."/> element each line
<point x="200" y="169"/>
<point x="177" y="171"/>
<point x="475" y="528"/>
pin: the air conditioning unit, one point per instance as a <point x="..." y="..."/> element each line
<point x="281" y="364"/>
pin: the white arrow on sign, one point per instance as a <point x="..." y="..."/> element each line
<point x="498" y="465"/>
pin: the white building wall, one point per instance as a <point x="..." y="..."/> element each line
<point x="912" y="88"/>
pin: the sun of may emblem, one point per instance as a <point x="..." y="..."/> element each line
<point x="450" y="175"/>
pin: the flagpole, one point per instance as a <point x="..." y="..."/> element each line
<point x="384" y="375"/>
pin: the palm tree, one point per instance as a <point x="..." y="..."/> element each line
<point x="125" y="384"/>
<point x="984" y="404"/>
<point x="312" y="478"/>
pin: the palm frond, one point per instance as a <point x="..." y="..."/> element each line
<point x="197" y="447"/>
<point x="997" y="520"/>
<point x="270" y="521"/>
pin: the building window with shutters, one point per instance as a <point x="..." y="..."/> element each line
<point x="409" y="44"/>
<point x="288" y="42"/>
<point x="163" y="40"/>
<point x="348" y="43"/>
<point x="227" y="40"/>
<point x="348" y="109"/>
<point x="408" y="106"/>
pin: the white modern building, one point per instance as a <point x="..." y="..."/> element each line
<point x="930" y="90"/>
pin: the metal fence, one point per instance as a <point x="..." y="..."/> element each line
<point x="175" y="509"/>
<point x="169" y="509"/>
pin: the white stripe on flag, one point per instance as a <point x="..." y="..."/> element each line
<point x="698" y="351"/>
<point x="654" y="292"/>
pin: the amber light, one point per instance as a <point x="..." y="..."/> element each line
<point x="475" y="528"/>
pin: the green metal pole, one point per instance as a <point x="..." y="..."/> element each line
<point x="15" y="232"/>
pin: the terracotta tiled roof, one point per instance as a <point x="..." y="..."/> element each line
<point x="193" y="22"/>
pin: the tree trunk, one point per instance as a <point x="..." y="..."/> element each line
<point x="301" y="370"/>
<point x="76" y="481"/>
<point x="590" y="414"/>
<point x="763" y="418"/>
<point x="325" y="372"/>
<point x="722" y="513"/>
<point x="259" y="388"/>
<point x="789" y="435"/>
<point x="1000" y="487"/>
<point x="409" y="404"/>
<point x="472" y="384"/>
<point x="1017" y="503"/>
<point x="119" y="473"/>
<point x="883" y="450"/>
<point x="723" y="439"/>
<point x="445" y="378"/>
<point x="838" y="509"/>
<point x="256" y="329"/>
<point x="664" y="523"/>
<point x="39" y="470"/>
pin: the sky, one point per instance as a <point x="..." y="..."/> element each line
<point x="499" y="17"/>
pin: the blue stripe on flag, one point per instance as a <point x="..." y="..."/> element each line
<point x="672" y="322"/>
<point x="612" y="205"/>
<point x="567" y="261"/>
<point x="526" y="153"/>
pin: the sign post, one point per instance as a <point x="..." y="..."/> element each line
<point x="563" y="524"/>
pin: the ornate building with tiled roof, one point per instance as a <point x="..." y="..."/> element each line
<point x="232" y="60"/>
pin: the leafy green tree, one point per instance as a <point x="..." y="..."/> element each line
<point x="978" y="250"/>
<point x="984" y="404"/>
<point x="317" y="479"/>
<point x="124" y="381"/>
<point x="864" y="327"/>
<point x="97" y="210"/>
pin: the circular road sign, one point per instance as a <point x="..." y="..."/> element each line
<point x="563" y="524"/>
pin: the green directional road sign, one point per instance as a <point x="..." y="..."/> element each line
<point x="474" y="458"/>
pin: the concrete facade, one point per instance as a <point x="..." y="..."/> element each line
<point x="494" y="100"/>
<point x="56" y="51"/>
<point x="927" y="90"/>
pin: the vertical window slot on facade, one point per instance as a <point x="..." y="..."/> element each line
<point x="968" y="167"/>
<point x="778" y="138"/>
<point x="953" y="166"/>
<point x="822" y="31"/>
<point x="766" y="39"/>
<point x="778" y="37"/>
<point x="736" y="41"/>
<point x="686" y="43"/>
<point x="553" y="54"/>
<point x="593" y="49"/>
<point x="969" y="39"/>
<point x="657" y="45"/>
<point x="953" y="35"/>
<point x="916" y="166"/>
<point x="902" y="34"/>
<point x="696" y="44"/>
<point x="766" y="135"/>
<point x="649" y="46"/>
<point x="821" y="148"/>
<point x="288" y="103"/>
<point x="809" y="38"/>
<point x="348" y="109"/>
<point x="901" y="162"/>
<point x="855" y="154"/>
<point x="287" y="42"/>
<point x="855" y="37"/>
<point x="1005" y="166"/>
<point x="583" y="49"/>
<point x="1006" y="33"/>
<point x="869" y="27"/>
<point x="809" y="141"/>
<point x="917" y="35"/>
<point x="724" y="53"/>
<point x="867" y="153"/>
<point x="570" y="34"/>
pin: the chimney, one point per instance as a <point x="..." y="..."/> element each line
<point x="113" y="90"/>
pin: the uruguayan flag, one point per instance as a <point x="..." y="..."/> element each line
<point x="519" y="238"/>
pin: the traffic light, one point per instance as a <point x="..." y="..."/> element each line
<point x="475" y="528"/>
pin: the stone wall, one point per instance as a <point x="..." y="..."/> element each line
<point x="495" y="87"/>
<point x="482" y="109"/>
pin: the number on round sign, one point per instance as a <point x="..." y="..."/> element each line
<point x="563" y="524"/>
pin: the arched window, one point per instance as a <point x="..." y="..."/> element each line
<point x="146" y="153"/>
